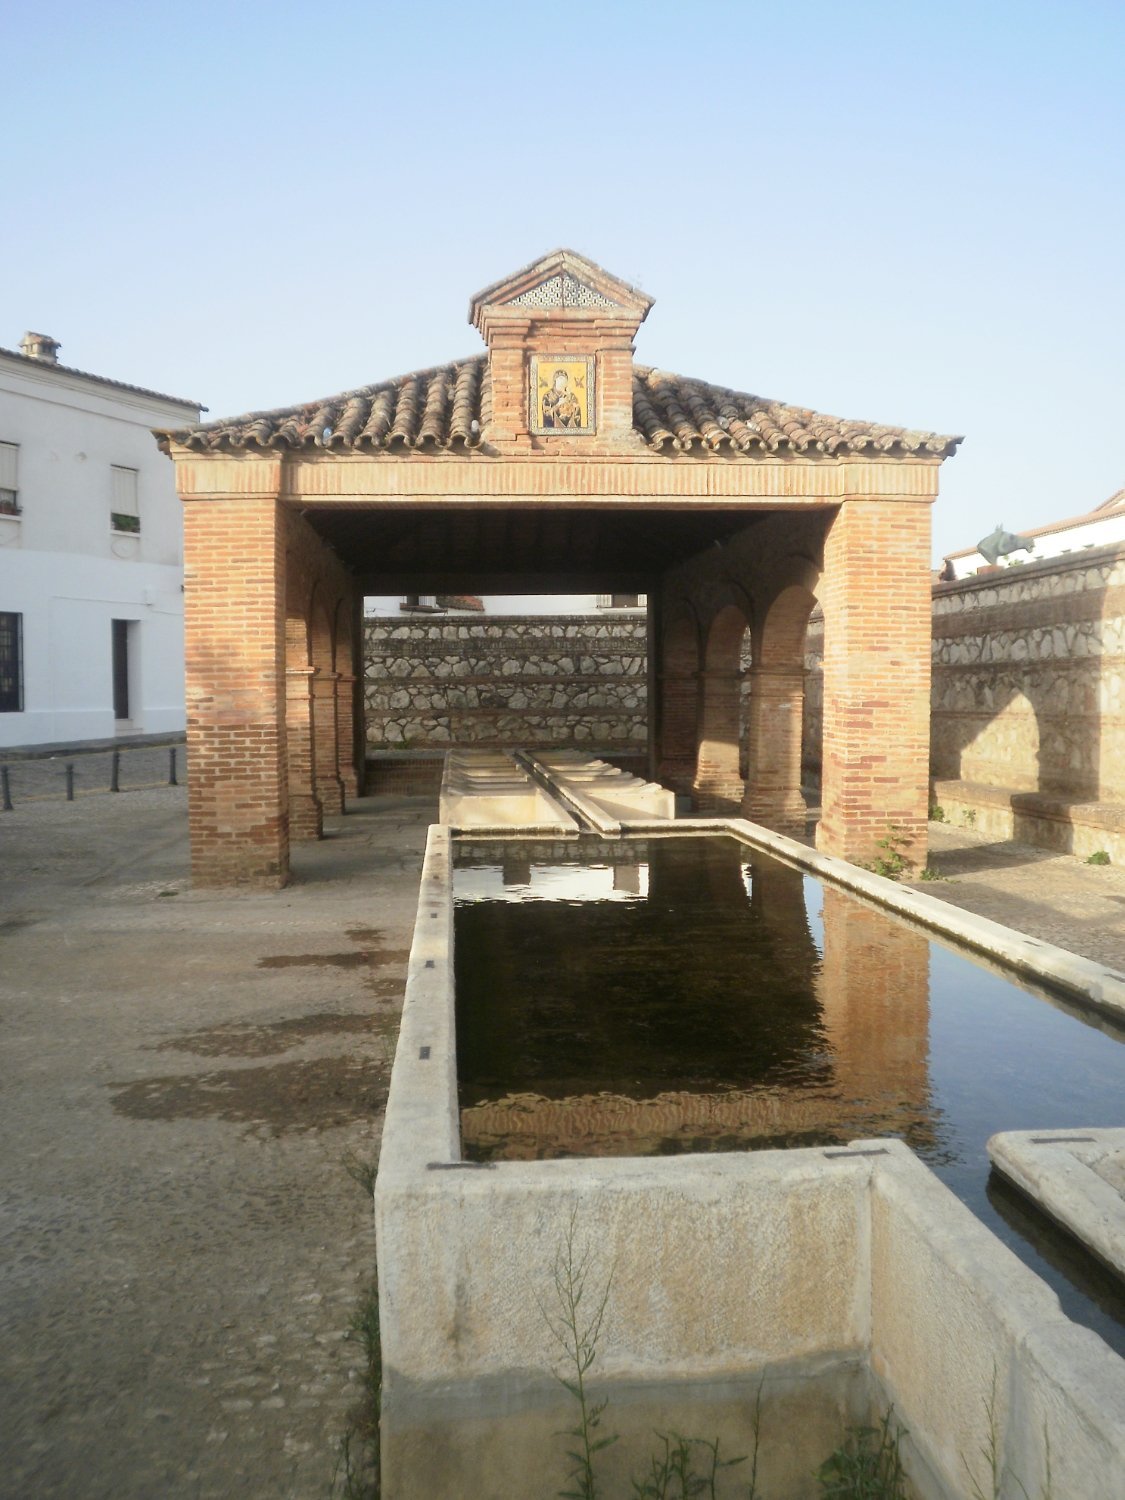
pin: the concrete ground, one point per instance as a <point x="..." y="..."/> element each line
<point x="186" y="1077"/>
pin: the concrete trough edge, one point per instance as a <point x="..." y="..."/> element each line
<point x="1081" y="978"/>
<point x="427" y="1197"/>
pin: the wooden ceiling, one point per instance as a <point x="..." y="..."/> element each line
<point x="542" y="549"/>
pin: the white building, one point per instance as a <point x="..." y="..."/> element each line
<point x="91" y="554"/>
<point x="1095" y="528"/>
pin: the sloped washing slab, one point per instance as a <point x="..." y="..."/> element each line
<point x="1077" y="1177"/>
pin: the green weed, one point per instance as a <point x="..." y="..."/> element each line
<point x="891" y="864"/>
<point x="672" y="1473"/>
<point x="937" y="814"/>
<point x="357" y="1468"/>
<point x="1099" y="857"/>
<point x="868" y="1466"/>
<point x="576" y="1329"/>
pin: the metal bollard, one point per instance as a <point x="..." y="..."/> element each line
<point x="5" y="791"/>
<point x="115" y="771"/>
<point x="172" y="767"/>
<point x="70" y="781"/>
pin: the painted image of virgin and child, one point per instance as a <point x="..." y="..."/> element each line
<point x="561" y="407"/>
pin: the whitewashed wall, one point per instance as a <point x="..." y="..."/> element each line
<point x="69" y="575"/>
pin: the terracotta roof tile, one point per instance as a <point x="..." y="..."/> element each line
<point x="448" y="407"/>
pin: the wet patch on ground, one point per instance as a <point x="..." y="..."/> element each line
<point x="240" y="1039"/>
<point x="370" y="956"/>
<point x="317" y="1094"/>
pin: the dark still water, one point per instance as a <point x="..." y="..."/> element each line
<point x="682" y="995"/>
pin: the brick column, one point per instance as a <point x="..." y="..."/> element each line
<point x="875" y="591"/>
<point x="718" y="785"/>
<point x="329" y="787"/>
<point x="679" y="716"/>
<point x="773" y="787"/>
<point x="306" y="818"/>
<point x="234" y="593"/>
<point x="346" y="734"/>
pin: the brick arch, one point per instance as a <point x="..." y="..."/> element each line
<point x="679" y="698"/>
<point x="718" y="784"/>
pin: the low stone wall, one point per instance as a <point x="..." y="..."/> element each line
<point x="563" y="681"/>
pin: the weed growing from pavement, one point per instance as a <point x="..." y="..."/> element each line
<point x="1099" y="857"/>
<point x="356" y="1475"/>
<point x="891" y="864"/>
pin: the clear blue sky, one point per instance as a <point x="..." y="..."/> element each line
<point x="908" y="212"/>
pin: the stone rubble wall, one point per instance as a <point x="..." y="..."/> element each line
<point x="1027" y="701"/>
<point x="1027" y="689"/>
<point x="564" y="681"/>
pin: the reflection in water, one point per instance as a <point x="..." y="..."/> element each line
<point x="677" y="1001"/>
<point x="713" y="999"/>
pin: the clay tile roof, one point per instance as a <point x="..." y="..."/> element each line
<point x="447" y="407"/>
<point x="678" y="414"/>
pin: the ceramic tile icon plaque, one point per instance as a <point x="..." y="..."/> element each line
<point x="562" y="394"/>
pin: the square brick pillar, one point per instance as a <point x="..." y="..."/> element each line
<point x="773" y="785"/>
<point x="329" y="787"/>
<point x="875" y="591"/>
<point x="346" y="733"/>
<point x="234" y="619"/>
<point x="306" y="816"/>
<point x="679" y="710"/>
<point x="718" y="786"/>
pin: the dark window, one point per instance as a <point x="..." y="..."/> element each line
<point x="11" y="663"/>
<point x="121" y="669"/>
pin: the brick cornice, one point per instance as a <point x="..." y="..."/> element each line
<point x="349" y="479"/>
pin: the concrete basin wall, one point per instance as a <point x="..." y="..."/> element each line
<point x="720" y="1267"/>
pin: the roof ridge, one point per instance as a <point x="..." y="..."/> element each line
<point x="120" y="385"/>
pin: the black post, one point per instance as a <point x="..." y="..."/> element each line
<point x="70" y="781"/>
<point x="5" y="790"/>
<point x="172" y="767"/>
<point x="115" y="771"/>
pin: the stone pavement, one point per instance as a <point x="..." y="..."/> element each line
<point x="184" y="1075"/>
<point x="1054" y="897"/>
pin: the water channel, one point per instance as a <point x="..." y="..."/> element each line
<point x="660" y="996"/>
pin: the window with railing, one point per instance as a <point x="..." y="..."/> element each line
<point x="9" y="479"/>
<point x="125" y="510"/>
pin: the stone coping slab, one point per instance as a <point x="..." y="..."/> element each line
<point x="1077" y="1177"/>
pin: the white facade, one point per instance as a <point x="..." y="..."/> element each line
<point x="1103" y="525"/>
<point x="98" y="539"/>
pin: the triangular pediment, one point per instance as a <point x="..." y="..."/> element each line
<point x="562" y="281"/>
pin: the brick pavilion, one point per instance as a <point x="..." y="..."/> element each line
<point x="552" y="461"/>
